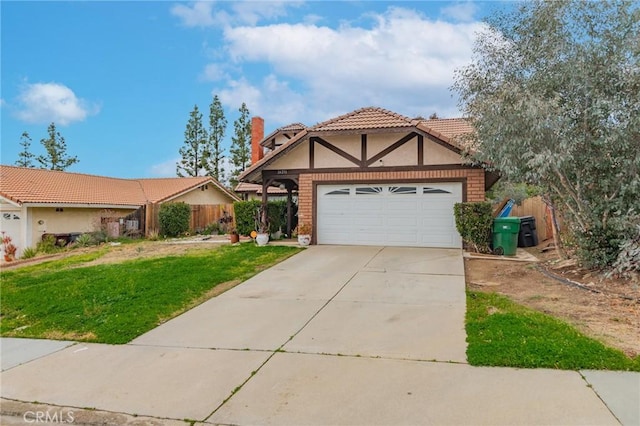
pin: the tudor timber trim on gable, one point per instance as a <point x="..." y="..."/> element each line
<point x="363" y="152"/>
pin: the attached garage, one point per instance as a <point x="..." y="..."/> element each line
<point x="388" y="214"/>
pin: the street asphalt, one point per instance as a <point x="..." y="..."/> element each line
<point x="334" y="335"/>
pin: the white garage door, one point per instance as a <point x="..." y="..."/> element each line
<point x="401" y="214"/>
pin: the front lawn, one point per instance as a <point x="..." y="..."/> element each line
<point x="502" y="333"/>
<point x="114" y="303"/>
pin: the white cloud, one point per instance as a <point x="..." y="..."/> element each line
<point x="202" y="13"/>
<point x="199" y="14"/>
<point x="463" y="12"/>
<point x="251" y="12"/>
<point x="271" y="98"/>
<point x="404" y="62"/>
<point x="46" y="102"/>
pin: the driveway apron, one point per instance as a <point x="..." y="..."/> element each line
<point x="333" y="335"/>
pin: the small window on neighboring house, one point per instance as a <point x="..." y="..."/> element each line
<point x="59" y="209"/>
<point x="344" y="191"/>
<point x="403" y="190"/>
<point x="368" y="190"/>
<point x="427" y="190"/>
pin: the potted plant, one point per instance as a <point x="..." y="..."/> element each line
<point x="234" y="237"/>
<point x="8" y="247"/>
<point x="262" y="225"/>
<point x="304" y="234"/>
<point x="262" y="238"/>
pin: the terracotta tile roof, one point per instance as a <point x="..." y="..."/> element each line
<point x="364" y="118"/>
<point x="162" y="189"/>
<point x="292" y="127"/>
<point x="29" y="185"/>
<point x="450" y="127"/>
<point x="253" y="187"/>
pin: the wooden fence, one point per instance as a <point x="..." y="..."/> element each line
<point x="535" y="207"/>
<point x="202" y="215"/>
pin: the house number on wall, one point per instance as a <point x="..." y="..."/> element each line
<point x="282" y="172"/>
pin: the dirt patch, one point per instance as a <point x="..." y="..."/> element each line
<point x="605" y="309"/>
<point x="122" y="252"/>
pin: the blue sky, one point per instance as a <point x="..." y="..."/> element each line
<point x="120" y="78"/>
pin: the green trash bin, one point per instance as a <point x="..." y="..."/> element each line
<point x="505" y="235"/>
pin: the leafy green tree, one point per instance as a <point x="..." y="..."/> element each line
<point x="553" y="95"/>
<point x="25" y="157"/>
<point x="217" y="130"/>
<point x="194" y="153"/>
<point x="56" y="157"/>
<point x="241" y="144"/>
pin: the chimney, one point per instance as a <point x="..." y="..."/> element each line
<point x="257" y="134"/>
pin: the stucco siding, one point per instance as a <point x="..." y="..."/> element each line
<point x="48" y="220"/>
<point x="436" y="154"/>
<point x="379" y="141"/>
<point x="325" y="158"/>
<point x="210" y="195"/>
<point x="297" y="158"/>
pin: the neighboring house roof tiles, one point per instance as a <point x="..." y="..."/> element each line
<point x="163" y="189"/>
<point x="252" y="187"/>
<point x="40" y="186"/>
<point x="293" y="127"/>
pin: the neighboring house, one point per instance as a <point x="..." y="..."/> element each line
<point x="37" y="201"/>
<point x="374" y="177"/>
<point x="252" y="191"/>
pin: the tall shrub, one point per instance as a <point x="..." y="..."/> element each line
<point x="473" y="221"/>
<point x="174" y="218"/>
<point x="277" y="213"/>
<point x="245" y="212"/>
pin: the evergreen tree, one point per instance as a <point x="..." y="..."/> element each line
<point x="194" y="152"/>
<point x="25" y="156"/>
<point x="56" y="147"/>
<point x="217" y="130"/>
<point x="241" y="144"/>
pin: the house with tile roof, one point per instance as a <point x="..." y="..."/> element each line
<point x="37" y="201"/>
<point x="252" y="191"/>
<point x="374" y="177"/>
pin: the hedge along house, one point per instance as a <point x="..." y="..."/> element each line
<point x="374" y="177"/>
<point x="36" y="201"/>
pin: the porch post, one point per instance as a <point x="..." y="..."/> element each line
<point x="289" y="209"/>
<point x="265" y="186"/>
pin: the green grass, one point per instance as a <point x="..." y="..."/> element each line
<point x="114" y="303"/>
<point x="502" y="333"/>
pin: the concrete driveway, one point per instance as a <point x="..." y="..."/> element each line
<point x="334" y="335"/>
